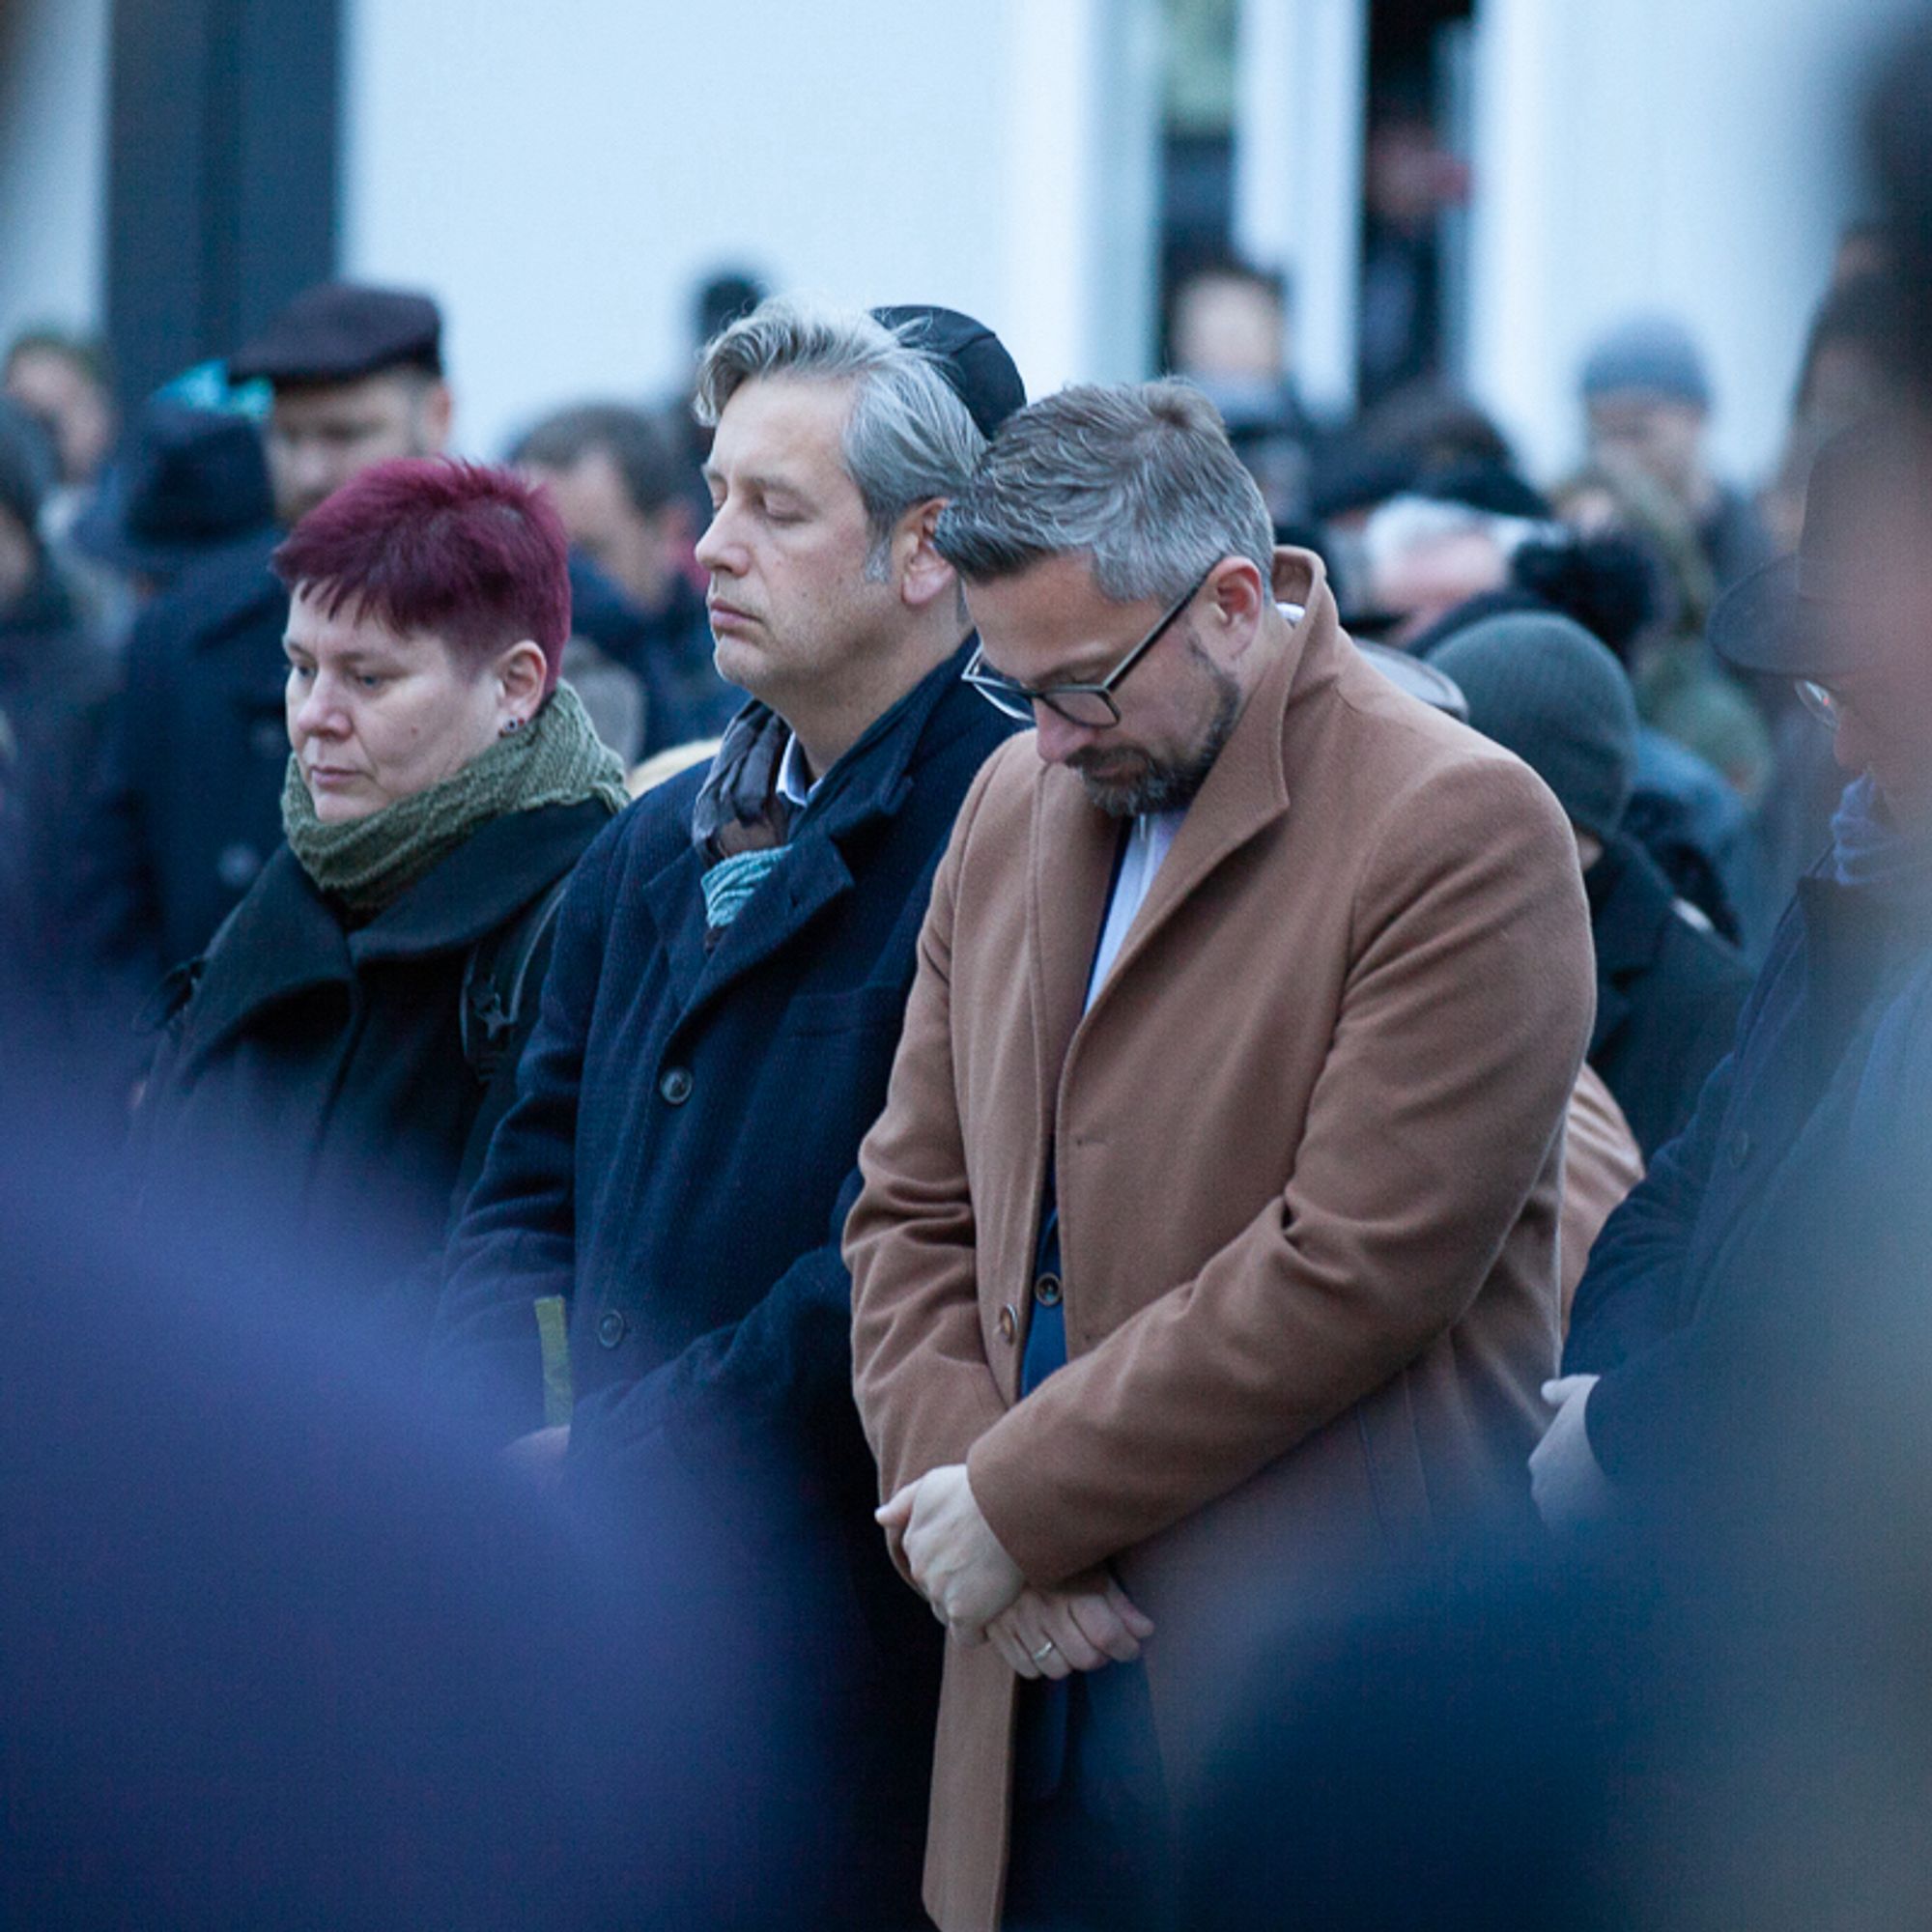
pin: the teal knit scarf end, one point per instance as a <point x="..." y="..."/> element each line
<point x="729" y="883"/>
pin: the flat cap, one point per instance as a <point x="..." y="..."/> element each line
<point x="972" y="359"/>
<point x="340" y="331"/>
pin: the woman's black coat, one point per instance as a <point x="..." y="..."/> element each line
<point x="324" y="1067"/>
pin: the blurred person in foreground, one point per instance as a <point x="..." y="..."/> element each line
<point x="345" y="1046"/>
<point x="615" y="478"/>
<point x="731" y="967"/>
<point x="187" y="809"/>
<point x="278" y="1649"/>
<point x="1179" y="1284"/>
<point x="1647" y="404"/>
<point x="1700" y="1312"/>
<point x="1669" y="989"/>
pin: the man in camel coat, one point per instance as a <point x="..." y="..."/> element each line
<point x="1208" y="1246"/>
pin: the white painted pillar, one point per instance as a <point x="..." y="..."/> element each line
<point x="1081" y="176"/>
<point x="1302" y="77"/>
<point x="53" y="164"/>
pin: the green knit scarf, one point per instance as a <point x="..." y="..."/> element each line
<point x="369" y="863"/>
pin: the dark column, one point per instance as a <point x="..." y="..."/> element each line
<point x="222" y="171"/>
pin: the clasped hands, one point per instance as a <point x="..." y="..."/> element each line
<point x="977" y="1592"/>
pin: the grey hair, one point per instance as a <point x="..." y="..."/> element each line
<point x="1140" y="477"/>
<point x="908" y="438"/>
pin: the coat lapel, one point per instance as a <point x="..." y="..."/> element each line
<point x="871" y="784"/>
<point x="1071" y="865"/>
<point x="1243" y="795"/>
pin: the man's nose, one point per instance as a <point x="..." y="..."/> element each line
<point x="718" y="549"/>
<point x="1057" y="740"/>
<point x="1851" y="744"/>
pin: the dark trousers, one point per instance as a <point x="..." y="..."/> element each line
<point x="1092" y="1831"/>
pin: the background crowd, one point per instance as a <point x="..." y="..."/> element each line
<point x="453" y="958"/>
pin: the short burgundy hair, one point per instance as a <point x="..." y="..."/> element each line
<point x="471" y="552"/>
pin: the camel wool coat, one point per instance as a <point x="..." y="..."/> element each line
<point x="1307" y="1144"/>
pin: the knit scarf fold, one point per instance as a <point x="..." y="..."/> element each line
<point x="1873" y="853"/>
<point x="369" y="863"/>
<point x="739" y="822"/>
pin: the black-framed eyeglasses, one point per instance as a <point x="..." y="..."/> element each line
<point x="1091" y="707"/>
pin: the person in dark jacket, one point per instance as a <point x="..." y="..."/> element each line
<point x="616" y="476"/>
<point x="1713" y="1292"/>
<point x="348" y="1040"/>
<point x="1669" y="989"/>
<point x="732" y="962"/>
<point x="55" y="685"/>
<point x="190" y="484"/>
<point x="187" y="809"/>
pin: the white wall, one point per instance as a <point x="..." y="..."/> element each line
<point x="53" y="162"/>
<point x="561" y="177"/>
<point x="1690" y="156"/>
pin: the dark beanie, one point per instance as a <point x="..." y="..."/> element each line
<point x="1547" y="690"/>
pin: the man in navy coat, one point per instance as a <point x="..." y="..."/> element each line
<point x="719" y="1021"/>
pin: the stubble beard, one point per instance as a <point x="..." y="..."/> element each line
<point x="1170" y="784"/>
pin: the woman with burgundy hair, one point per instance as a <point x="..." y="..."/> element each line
<point x="344" y="1047"/>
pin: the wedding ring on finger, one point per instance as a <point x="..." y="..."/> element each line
<point x="1045" y="1651"/>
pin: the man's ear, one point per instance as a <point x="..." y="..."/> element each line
<point x="923" y="574"/>
<point x="439" y="411"/>
<point x="520" y="671"/>
<point x="1238" y="598"/>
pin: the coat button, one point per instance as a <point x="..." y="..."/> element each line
<point x="676" y="1086"/>
<point x="1010" y="1323"/>
<point x="1046" y="1291"/>
<point x="610" y="1326"/>
<point x="270" y="739"/>
<point x="236" y="866"/>
<point x="1741" y="1147"/>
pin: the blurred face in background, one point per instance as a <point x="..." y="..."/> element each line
<point x="62" y="394"/>
<point x="641" y="552"/>
<point x="376" y="715"/>
<point x="1426" y="580"/>
<point x="1660" y="436"/>
<point x="1229" y="328"/>
<point x="320" y="435"/>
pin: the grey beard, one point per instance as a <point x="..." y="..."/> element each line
<point x="1170" y="787"/>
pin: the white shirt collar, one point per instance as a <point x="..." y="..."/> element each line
<point x="794" y="786"/>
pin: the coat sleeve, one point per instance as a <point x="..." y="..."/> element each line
<point x="1632" y="1293"/>
<point x="516" y="1238"/>
<point x="925" y="1388"/>
<point x="1463" y="1023"/>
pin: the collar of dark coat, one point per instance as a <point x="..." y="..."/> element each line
<point x="1073" y="843"/>
<point x="869" y="783"/>
<point x="287" y="939"/>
